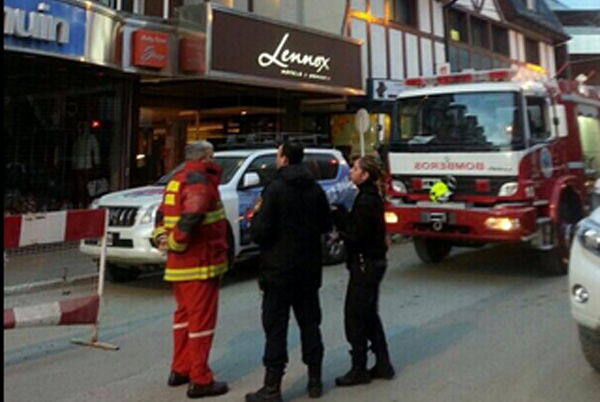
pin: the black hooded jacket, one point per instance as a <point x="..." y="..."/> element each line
<point x="288" y="227"/>
<point x="363" y="229"/>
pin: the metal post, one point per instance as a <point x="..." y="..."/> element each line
<point x="93" y="342"/>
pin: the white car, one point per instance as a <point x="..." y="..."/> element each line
<point x="132" y="212"/>
<point x="584" y="282"/>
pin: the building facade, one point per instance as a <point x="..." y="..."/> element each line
<point x="102" y="95"/>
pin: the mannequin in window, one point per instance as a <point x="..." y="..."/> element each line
<point x="86" y="159"/>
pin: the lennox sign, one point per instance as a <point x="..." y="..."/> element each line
<point x="267" y="52"/>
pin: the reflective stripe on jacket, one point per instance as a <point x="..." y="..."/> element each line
<point x="193" y="218"/>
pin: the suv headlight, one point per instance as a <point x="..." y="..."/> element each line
<point x="588" y="234"/>
<point x="150" y="214"/>
<point x="509" y="189"/>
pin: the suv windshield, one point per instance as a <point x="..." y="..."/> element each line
<point x="230" y="165"/>
<point x="462" y="122"/>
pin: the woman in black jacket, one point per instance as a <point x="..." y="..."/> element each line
<point x="363" y="230"/>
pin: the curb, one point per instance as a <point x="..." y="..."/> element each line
<point x="35" y="286"/>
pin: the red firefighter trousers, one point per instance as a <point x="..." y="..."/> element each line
<point x="195" y="320"/>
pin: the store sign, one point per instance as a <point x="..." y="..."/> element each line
<point x="45" y="26"/>
<point x="192" y="55"/>
<point x="384" y="89"/>
<point x="250" y="47"/>
<point x="150" y="49"/>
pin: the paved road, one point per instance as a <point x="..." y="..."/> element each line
<point x="484" y="326"/>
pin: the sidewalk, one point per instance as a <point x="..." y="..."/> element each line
<point x="46" y="266"/>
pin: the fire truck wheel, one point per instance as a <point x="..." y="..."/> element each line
<point x="432" y="251"/>
<point x="590" y="344"/>
<point x="120" y="274"/>
<point x="556" y="261"/>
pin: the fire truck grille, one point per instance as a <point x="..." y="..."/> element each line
<point x="466" y="185"/>
<point x="122" y="217"/>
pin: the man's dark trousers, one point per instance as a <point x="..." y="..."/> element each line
<point x="277" y="303"/>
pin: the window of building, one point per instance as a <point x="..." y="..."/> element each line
<point x="154" y="8"/>
<point x="458" y="26"/>
<point x="404" y="12"/>
<point x="479" y="33"/>
<point x="532" y="51"/>
<point x="127" y="5"/>
<point x="500" y="39"/>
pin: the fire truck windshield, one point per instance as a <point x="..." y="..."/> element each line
<point x="460" y="122"/>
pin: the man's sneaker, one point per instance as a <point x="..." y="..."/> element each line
<point x="201" y="391"/>
<point x="176" y="379"/>
<point x="356" y="376"/>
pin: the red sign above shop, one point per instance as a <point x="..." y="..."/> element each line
<point x="192" y="55"/>
<point x="150" y="49"/>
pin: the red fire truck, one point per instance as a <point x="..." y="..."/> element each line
<point x="495" y="156"/>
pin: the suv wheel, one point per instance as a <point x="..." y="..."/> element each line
<point x="590" y="343"/>
<point x="334" y="250"/>
<point x="120" y="274"/>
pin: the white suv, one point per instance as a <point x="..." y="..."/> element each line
<point x="584" y="282"/>
<point x="245" y="172"/>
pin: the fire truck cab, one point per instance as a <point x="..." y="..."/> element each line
<point x="518" y="156"/>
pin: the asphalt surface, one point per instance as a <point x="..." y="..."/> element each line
<point x="484" y="326"/>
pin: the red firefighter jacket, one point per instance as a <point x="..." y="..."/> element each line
<point x="193" y="218"/>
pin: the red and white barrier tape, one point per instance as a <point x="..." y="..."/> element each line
<point x="69" y="312"/>
<point x="54" y="227"/>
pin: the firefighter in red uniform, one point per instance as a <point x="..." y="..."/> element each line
<point x="191" y="227"/>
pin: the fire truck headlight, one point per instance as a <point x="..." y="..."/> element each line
<point x="398" y="186"/>
<point x="391" y="218"/>
<point x="503" y="224"/>
<point x="509" y="189"/>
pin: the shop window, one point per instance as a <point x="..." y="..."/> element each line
<point x="453" y="59"/>
<point x="537" y="119"/>
<point x="404" y="12"/>
<point x="532" y="51"/>
<point x="458" y="26"/>
<point x="500" y="37"/>
<point x="479" y="33"/>
<point x="464" y="59"/>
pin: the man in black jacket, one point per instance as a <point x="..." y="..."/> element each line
<point x="288" y="226"/>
